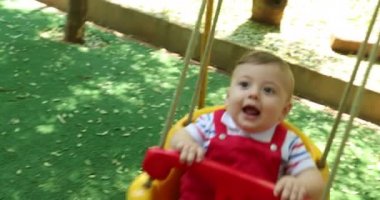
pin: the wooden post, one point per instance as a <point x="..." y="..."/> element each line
<point x="268" y="11"/>
<point x="75" y="22"/>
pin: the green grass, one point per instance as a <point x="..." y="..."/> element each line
<point x="76" y="120"/>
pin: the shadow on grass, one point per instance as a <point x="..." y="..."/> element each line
<point x="360" y="160"/>
<point x="76" y="120"/>
<point x="254" y="32"/>
<point x="267" y="37"/>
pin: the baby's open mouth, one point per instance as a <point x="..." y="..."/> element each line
<point x="251" y="110"/>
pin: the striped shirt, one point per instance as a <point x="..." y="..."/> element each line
<point x="295" y="157"/>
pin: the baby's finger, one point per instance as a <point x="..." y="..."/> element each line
<point x="179" y="146"/>
<point x="286" y="192"/>
<point x="301" y="194"/>
<point x="182" y="156"/>
<point x="278" y="188"/>
<point x="190" y="156"/>
<point x="294" y="194"/>
<point x="184" y="153"/>
<point x="199" y="154"/>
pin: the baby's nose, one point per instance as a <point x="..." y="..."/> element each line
<point x="253" y="93"/>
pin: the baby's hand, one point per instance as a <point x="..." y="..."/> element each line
<point x="189" y="152"/>
<point x="289" y="188"/>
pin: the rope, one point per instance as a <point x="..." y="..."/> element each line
<point x="354" y="112"/>
<point x="204" y="59"/>
<point x="180" y="86"/>
<point x="206" y="35"/>
<point x="343" y="100"/>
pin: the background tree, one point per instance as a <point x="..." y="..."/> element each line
<point x="268" y="11"/>
<point x="75" y="22"/>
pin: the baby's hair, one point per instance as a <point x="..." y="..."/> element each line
<point x="263" y="57"/>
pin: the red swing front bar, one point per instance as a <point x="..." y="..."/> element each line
<point x="229" y="183"/>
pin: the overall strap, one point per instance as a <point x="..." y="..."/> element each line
<point x="279" y="135"/>
<point x="219" y="126"/>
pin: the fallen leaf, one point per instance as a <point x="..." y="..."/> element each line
<point x="103" y="133"/>
<point x="14" y="121"/>
<point x="103" y="112"/>
<point x="126" y="135"/>
<point x="88" y="162"/>
<point x="56" y="153"/>
<point x="61" y="119"/>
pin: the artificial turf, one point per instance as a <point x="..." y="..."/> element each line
<point x="76" y="120"/>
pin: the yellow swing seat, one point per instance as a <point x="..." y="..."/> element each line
<point x="168" y="188"/>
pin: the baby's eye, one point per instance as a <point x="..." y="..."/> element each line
<point x="269" y="90"/>
<point x="243" y="84"/>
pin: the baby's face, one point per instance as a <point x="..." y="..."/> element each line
<point x="258" y="97"/>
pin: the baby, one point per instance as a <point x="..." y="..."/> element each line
<point x="247" y="134"/>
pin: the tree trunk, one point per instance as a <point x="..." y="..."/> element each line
<point x="76" y="19"/>
<point x="268" y="11"/>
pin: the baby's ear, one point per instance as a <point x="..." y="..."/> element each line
<point x="227" y="96"/>
<point x="286" y="110"/>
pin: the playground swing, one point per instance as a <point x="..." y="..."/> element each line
<point x="162" y="169"/>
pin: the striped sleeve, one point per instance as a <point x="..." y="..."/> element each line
<point x="202" y="130"/>
<point x="298" y="158"/>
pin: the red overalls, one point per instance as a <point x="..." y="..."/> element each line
<point x="260" y="159"/>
